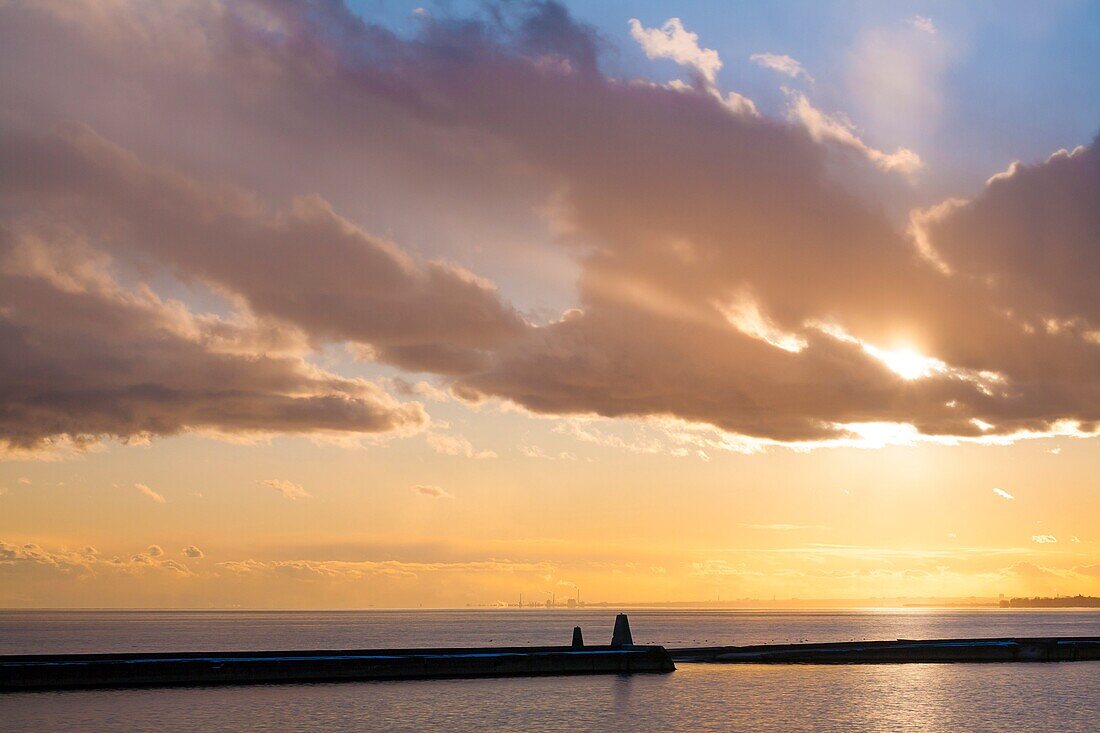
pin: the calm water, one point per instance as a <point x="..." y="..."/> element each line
<point x="915" y="697"/>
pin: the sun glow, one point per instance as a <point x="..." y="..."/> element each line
<point x="906" y="362"/>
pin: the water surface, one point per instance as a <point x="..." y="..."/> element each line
<point x="910" y="697"/>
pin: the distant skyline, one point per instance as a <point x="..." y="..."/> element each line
<point x="402" y="304"/>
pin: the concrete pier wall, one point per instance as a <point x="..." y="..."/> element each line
<point x="56" y="672"/>
<point x="1066" y="649"/>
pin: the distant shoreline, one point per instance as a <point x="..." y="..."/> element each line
<point x="1057" y="602"/>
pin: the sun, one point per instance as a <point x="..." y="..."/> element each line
<point x="906" y="362"/>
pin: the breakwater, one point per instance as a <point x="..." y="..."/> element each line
<point x="621" y="656"/>
<point x="1063" y="649"/>
<point x="73" y="671"/>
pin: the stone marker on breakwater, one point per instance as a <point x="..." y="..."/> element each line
<point x="621" y="635"/>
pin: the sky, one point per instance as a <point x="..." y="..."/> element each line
<point x="388" y="304"/>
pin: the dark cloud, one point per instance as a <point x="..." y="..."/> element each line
<point x="82" y="358"/>
<point x="1030" y="240"/>
<point x="729" y="273"/>
<point x="307" y="266"/>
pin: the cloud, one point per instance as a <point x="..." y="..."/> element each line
<point x="673" y="41"/>
<point x="85" y="358"/>
<point x="307" y="265"/>
<point x="24" y="480"/>
<point x="142" y="488"/>
<point x="393" y="569"/>
<point x="192" y="552"/>
<point x="30" y="573"/>
<point x="342" y="575"/>
<point x="33" y="563"/>
<point x="32" y="554"/>
<point x="1044" y="539"/>
<point x="1040" y="208"/>
<point x="1003" y="494"/>
<point x="839" y="129"/>
<point x="432" y="491"/>
<point x="922" y="23"/>
<point x="740" y="104"/>
<point x="456" y="445"/>
<point x="639" y="441"/>
<point x="1031" y="572"/>
<point x="535" y="451"/>
<point x="670" y="208"/>
<point x="782" y="63"/>
<point x="420" y="389"/>
<point x="288" y="489"/>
